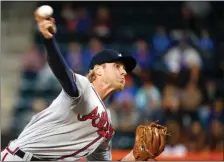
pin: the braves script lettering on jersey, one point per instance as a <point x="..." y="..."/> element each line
<point x="70" y="128"/>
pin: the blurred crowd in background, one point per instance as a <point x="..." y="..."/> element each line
<point x="178" y="79"/>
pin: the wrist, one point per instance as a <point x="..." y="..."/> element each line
<point x="129" y="157"/>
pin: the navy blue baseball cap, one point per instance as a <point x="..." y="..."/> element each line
<point x="109" y="56"/>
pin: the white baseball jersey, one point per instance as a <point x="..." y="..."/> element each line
<point x="70" y="128"/>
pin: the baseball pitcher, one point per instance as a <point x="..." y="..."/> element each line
<point x="77" y="124"/>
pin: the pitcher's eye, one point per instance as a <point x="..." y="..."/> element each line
<point x="117" y="65"/>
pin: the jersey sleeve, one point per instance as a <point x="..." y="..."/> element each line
<point x="102" y="153"/>
<point x="60" y="68"/>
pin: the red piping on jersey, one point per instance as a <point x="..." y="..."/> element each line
<point x="12" y="152"/>
<point x="82" y="149"/>
<point x="74" y="76"/>
<point x="4" y="156"/>
<point x="99" y="99"/>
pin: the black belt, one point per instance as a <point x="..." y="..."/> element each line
<point x="21" y="154"/>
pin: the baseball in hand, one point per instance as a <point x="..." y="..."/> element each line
<point x="45" y="11"/>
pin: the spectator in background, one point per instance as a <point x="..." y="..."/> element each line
<point x="74" y="57"/>
<point x="218" y="110"/>
<point x="32" y="61"/>
<point x="84" y="21"/>
<point x="46" y="84"/>
<point x="215" y="140"/>
<point x="183" y="60"/>
<point x="190" y="100"/>
<point x="95" y="45"/>
<point x="70" y="17"/>
<point x="102" y="22"/>
<point x="148" y="102"/>
<point x="198" y="9"/>
<point x="206" y="44"/>
<point x="213" y="119"/>
<point x="195" y="13"/>
<point x="210" y="90"/>
<point x="196" y="138"/>
<point x="171" y="103"/>
<point x="175" y="141"/>
<point x="160" y="41"/>
<point x="204" y="115"/>
<point x="143" y="55"/>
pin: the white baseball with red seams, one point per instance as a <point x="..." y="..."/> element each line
<point x="45" y="11"/>
<point x="70" y="128"/>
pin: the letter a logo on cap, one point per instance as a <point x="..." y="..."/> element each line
<point x="119" y="54"/>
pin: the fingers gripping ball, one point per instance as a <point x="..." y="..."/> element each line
<point x="150" y="141"/>
<point x="53" y="28"/>
<point x="46" y="24"/>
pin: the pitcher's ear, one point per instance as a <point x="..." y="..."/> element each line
<point x="98" y="69"/>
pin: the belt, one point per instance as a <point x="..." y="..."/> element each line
<point x="21" y="154"/>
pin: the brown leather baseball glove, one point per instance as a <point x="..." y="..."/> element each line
<point x="150" y="141"/>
